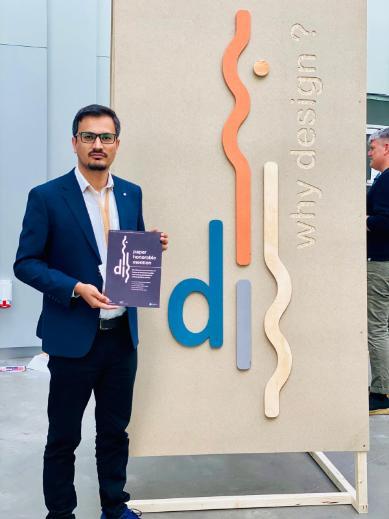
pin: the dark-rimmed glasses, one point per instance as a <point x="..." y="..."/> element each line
<point x="89" y="137"/>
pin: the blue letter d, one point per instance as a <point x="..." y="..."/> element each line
<point x="213" y="294"/>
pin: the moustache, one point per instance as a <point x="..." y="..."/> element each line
<point x="97" y="151"/>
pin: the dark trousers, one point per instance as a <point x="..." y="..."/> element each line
<point x="109" y="371"/>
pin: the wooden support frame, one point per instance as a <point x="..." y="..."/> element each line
<point x="347" y="495"/>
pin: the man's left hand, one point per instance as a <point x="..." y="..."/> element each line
<point x="164" y="239"/>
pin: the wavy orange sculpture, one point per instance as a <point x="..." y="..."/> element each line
<point x="230" y="137"/>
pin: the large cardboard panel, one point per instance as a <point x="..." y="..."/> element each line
<point x="168" y="90"/>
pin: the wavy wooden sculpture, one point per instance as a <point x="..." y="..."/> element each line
<point x="284" y="293"/>
<point x="230" y="137"/>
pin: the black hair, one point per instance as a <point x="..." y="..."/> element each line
<point x="95" y="111"/>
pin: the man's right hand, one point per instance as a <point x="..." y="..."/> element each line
<point x="93" y="297"/>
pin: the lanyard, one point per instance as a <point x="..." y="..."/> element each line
<point x="104" y="211"/>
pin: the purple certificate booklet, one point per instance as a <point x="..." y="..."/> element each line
<point x="134" y="268"/>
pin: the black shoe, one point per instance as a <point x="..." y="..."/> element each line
<point x="378" y="403"/>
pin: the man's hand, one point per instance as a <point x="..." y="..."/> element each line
<point x="164" y="239"/>
<point x="93" y="297"/>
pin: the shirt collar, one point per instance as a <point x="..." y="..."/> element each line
<point x="84" y="184"/>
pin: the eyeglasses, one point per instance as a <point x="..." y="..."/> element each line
<point x="89" y="137"/>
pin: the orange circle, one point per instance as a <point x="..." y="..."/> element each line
<point x="261" y="68"/>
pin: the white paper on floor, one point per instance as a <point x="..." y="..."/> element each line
<point x="39" y="363"/>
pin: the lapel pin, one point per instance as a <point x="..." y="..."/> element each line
<point x="124" y="194"/>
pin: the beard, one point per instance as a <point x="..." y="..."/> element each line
<point x="96" y="166"/>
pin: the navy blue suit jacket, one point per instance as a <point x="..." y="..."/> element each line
<point x="57" y="249"/>
<point x="377" y="207"/>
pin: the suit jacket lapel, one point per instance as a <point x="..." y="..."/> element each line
<point x="76" y="203"/>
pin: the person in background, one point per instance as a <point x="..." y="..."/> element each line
<point x="377" y="222"/>
<point x="92" y="345"/>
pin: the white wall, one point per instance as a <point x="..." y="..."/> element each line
<point x="54" y="58"/>
<point x="377" y="47"/>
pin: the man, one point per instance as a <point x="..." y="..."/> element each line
<point x="91" y="344"/>
<point x="378" y="273"/>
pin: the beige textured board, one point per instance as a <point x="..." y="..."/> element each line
<point x="308" y="116"/>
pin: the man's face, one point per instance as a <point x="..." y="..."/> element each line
<point x="379" y="154"/>
<point x="95" y="156"/>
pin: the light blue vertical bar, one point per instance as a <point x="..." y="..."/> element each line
<point x="22" y="165"/>
<point x="103" y="46"/>
<point x="243" y="324"/>
<point x="23" y="150"/>
<point x="72" y="65"/>
<point x="377" y="52"/>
